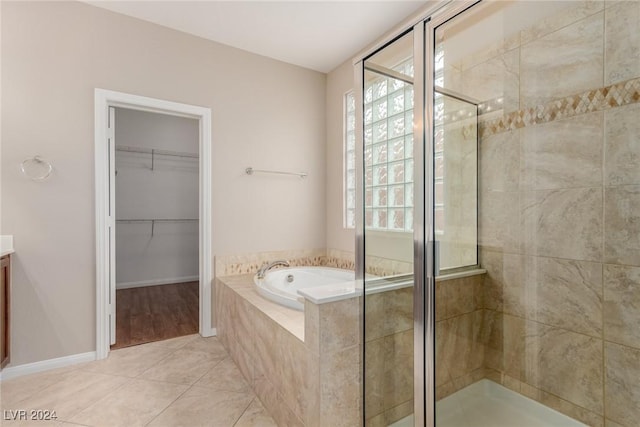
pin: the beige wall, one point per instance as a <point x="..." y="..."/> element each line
<point x="265" y="114"/>
<point x="339" y="82"/>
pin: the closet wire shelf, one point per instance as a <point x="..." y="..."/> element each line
<point x="156" y="152"/>
<point x="154" y="220"/>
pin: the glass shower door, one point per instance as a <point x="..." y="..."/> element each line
<point x="388" y="232"/>
<point x="545" y="331"/>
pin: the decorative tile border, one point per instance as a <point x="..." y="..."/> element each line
<point x="233" y="265"/>
<point x="616" y="95"/>
<point x="340" y="259"/>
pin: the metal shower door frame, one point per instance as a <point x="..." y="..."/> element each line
<point x="422" y="25"/>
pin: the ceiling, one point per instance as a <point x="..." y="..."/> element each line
<point x="319" y="35"/>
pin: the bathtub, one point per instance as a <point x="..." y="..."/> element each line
<point x="288" y="285"/>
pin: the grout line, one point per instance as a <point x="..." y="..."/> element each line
<point x="245" y="410"/>
<point x="604" y="218"/>
<point x="75" y="424"/>
<point x="167" y="407"/>
<point x="547" y="324"/>
<point x="533" y="255"/>
<point x="557" y="397"/>
<point x="209" y="370"/>
<point x="102" y="397"/>
<point x="565" y="12"/>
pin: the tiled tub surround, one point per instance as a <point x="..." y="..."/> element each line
<point x="304" y="366"/>
<point x="559" y="220"/>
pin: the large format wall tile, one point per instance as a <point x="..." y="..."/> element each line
<point x="622" y="38"/>
<point x="622" y="391"/>
<point x="339" y="324"/>
<point x="564" y="293"/>
<point x="622" y="225"/>
<point x="622" y="304"/>
<point x="513" y="290"/>
<point x="443" y="357"/>
<point x="492" y="338"/>
<point x="566" y="364"/>
<point x="563" y="223"/>
<point x="622" y="149"/>
<point x="458" y="296"/>
<point x="398" y="368"/>
<point x="572" y="12"/>
<point x="499" y="221"/>
<point x="374" y="321"/>
<point x="398" y="310"/>
<point x="461" y="341"/>
<point x="267" y="337"/>
<point x="562" y="154"/>
<point x="340" y="389"/>
<point x="499" y="158"/>
<point x="495" y="79"/>
<point x="374" y="377"/>
<point x="514" y="346"/>
<point x="492" y="283"/>
<point x="562" y="63"/>
<point x="299" y="374"/>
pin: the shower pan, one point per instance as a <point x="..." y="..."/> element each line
<point x="499" y="190"/>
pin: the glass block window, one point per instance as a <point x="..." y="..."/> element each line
<point x="388" y="152"/>
<point x="349" y="161"/>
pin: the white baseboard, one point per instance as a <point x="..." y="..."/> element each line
<point x="209" y="332"/>
<point x="45" y="365"/>
<point x="143" y="283"/>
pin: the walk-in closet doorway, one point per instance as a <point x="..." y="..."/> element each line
<point x="153" y="213"/>
<point x="156" y="231"/>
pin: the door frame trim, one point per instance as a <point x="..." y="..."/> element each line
<point x="103" y="100"/>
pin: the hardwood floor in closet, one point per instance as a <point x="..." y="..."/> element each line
<point x="155" y="313"/>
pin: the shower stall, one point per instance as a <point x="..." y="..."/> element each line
<point x="498" y="220"/>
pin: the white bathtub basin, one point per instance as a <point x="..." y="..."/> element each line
<point x="282" y="286"/>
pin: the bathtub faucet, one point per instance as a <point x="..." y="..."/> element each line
<point x="269" y="265"/>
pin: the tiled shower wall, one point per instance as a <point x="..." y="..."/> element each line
<point x="559" y="222"/>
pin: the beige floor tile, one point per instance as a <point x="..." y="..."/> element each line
<point x="35" y="423"/>
<point x="204" y="407"/>
<point x="175" y="343"/>
<point x="130" y="361"/>
<point x="76" y="391"/>
<point x="17" y="389"/>
<point x="134" y="404"/>
<point x="225" y="377"/>
<point x="210" y="345"/>
<point x="255" y="416"/>
<point x="183" y="367"/>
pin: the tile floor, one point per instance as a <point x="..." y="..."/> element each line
<point x="186" y="381"/>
